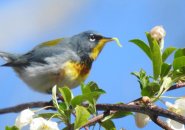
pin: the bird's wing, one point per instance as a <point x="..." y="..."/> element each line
<point x="42" y="53"/>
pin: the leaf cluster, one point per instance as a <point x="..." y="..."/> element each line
<point x="164" y="74"/>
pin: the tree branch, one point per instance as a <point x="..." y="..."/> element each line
<point x="98" y="118"/>
<point x="113" y="108"/>
<point x="177" y="86"/>
<point x="159" y="122"/>
<point x="148" y="110"/>
<point x="18" y="108"/>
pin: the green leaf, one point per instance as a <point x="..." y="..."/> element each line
<point x="167" y="52"/>
<point x="90" y="87"/>
<point x="150" y="40"/>
<point x="118" y="114"/>
<point x="54" y="97"/>
<point x="78" y="100"/>
<point x="137" y="74"/>
<point x="179" y="53"/>
<point x="143" y="78"/>
<point x="48" y="115"/>
<point x="90" y="93"/>
<point x="82" y="116"/>
<point x="64" y="117"/>
<point x="90" y="97"/>
<point x="156" y="60"/>
<point x="179" y="62"/>
<point x="11" y="128"/>
<point x="143" y="46"/>
<point x="156" y="56"/>
<point x="108" y="125"/>
<point x="166" y="84"/>
<point x="67" y="95"/>
<point x="165" y="69"/>
<point x="121" y="114"/>
<point x="151" y="89"/>
<point x="63" y="106"/>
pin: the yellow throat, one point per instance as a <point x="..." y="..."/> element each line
<point x="95" y="52"/>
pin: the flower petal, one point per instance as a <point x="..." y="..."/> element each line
<point x="43" y="124"/>
<point x="24" y="118"/>
<point x="141" y="120"/>
<point x="175" y="125"/>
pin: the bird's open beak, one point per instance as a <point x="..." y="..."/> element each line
<point x="109" y="39"/>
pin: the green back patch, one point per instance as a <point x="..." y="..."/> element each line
<point x="51" y="43"/>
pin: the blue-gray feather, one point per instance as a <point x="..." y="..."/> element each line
<point x="78" y="43"/>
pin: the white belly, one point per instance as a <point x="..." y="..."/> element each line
<point x="43" y="78"/>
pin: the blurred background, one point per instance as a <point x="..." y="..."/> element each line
<point x="24" y="24"/>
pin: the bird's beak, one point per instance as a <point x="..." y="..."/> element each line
<point x="101" y="44"/>
<point x="109" y="39"/>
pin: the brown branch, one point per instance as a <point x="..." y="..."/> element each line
<point x="18" y="108"/>
<point x="177" y="86"/>
<point x="151" y="110"/>
<point x="94" y="120"/>
<point x="148" y="110"/>
<point x="113" y="108"/>
<point x="40" y="104"/>
<point x="101" y="116"/>
<point x="98" y="118"/>
<point x="154" y="118"/>
<point x="159" y="122"/>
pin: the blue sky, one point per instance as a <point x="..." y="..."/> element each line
<point x="125" y="19"/>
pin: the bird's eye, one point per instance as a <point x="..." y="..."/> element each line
<point x="92" y="37"/>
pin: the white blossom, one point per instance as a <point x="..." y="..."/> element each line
<point x="141" y="120"/>
<point x="24" y="118"/>
<point x="158" y="33"/>
<point x="180" y="104"/>
<point x="43" y="124"/>
<point x="179" y="108"/>
<point x="175" y="125"/>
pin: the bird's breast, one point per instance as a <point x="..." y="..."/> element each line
<point x="75" y="71"/>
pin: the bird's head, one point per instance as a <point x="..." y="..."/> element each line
<point x="91" y="43"/>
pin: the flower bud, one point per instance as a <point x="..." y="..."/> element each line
<point x="158" y="33"/>
<point x="175" y="125"/>
<point x="141" y="120"/>
<point x="24" y="118"/>
<point x="179" y="108"/>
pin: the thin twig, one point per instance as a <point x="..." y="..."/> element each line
<point x="98" y="118"/>
<point x="21" y="107"/>
<point x="177" y="86"/>
<point x="148" y="110"/>
<point x="159" y="122"/>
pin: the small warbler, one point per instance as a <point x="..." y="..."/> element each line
<point x="62" y="62"/>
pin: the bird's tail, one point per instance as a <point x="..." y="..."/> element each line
<point x="8" y="57"/>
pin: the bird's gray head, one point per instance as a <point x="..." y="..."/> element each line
<point x="89" y="42"/>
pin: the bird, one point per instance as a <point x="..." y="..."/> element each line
<point x="62" y="62"/>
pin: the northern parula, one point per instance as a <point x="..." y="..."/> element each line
<point x="63" y="62"/>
